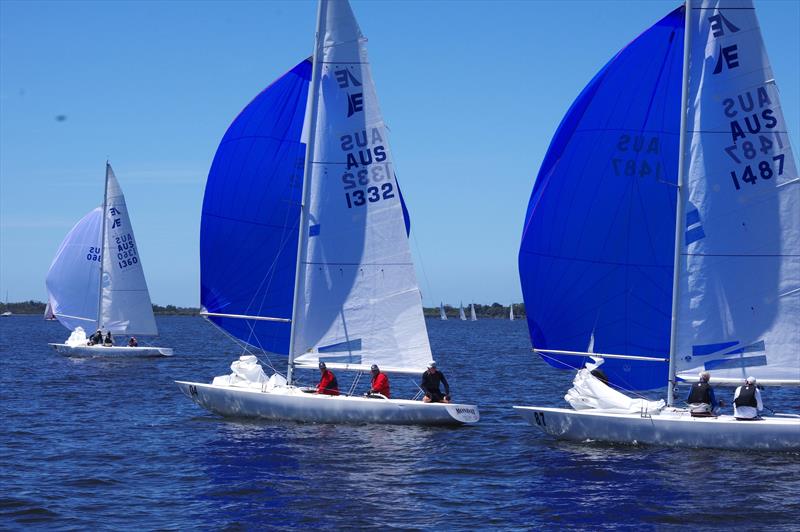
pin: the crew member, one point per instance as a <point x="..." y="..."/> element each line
<point x="430" y="385"/>
<point x="133" y="342"/>
<point x="327" y="381"/>
<point x="701" y="399"/>
<point x="380" y="382"/>
<point x="96" y="338"/>
<point x="108" y="342"/>
<point x="747" y="401"/>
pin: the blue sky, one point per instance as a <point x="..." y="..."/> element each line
<point x="472" y="92"/>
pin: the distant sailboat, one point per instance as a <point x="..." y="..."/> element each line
<point x="48" y="312"/>
<point x="472" y="316"/>
<point x="7" y="313"/>
<point x="96" y="281"/>
<point x="442" y="313"/>
<point x="710" y="285"/>
<point x="337" y="290"/>
<point x="461" y="315"/>
<point x="511" y="312"/>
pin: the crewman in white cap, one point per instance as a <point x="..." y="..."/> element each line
<point x="747" y="401"/>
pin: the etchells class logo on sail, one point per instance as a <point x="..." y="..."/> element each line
<point x="355" y="100"/>
<point x="727" y="56"/>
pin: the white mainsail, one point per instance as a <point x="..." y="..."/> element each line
<point x="442" y="313"/>
<point x="125" y="303"/>
<point x="739" y="289"/>
<point x="73" y="280"/>
<point x="511" y="312"/>
<point x="472" y="316"/>
<point x="461" y="315"/>
<point x="358" y="290"/>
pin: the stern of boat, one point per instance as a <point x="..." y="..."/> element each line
<point x="466" y="414"/>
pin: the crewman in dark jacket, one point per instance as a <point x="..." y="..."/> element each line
<point x="380" y="382"/>
<point x="701" y="399"/>
<point x="108" y="342"/>
<point x="430" y="385"/>
<point x="747" y="401"/>
<point x="327" y="381"/>
<point x="96" y="338"/>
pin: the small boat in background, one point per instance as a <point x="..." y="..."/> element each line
<point x="461" y="315"/>
<point x="442" y="313"/>
<point x="96" y="282"/>
<point x="472" y="316"/>
<point x="511" y="312"/>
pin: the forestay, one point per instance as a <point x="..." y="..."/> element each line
<point x="598" y="241"/>
<point x="125" y="302"/>
<point x="73" y="280"/>
<point x="740" y="276"/>
<point x="361" y="302"/>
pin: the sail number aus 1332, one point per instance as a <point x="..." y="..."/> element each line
<point x="357" y="198"/>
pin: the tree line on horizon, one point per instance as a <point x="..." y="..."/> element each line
<point x="495" y="310"/>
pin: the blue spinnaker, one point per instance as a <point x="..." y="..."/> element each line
<point x="251" y="211"/>
<point x="596" y="257"/>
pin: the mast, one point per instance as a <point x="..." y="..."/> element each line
<point x="102" y="253"/>
<point x="679" y="214"/>
<point x="302" y="240"/>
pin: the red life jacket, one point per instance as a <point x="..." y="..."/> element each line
<point x="327" y="384"/>
<point x="380" y="384"/>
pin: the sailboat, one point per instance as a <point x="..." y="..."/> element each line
<point x="442" y="313"/>
<point x="340" y="246"/>
<point x="48" y="312"/>
<point x="6" y="313"/>
<point x="511" y="312"/>
<point x="472" y="316"/>
<point x="678" y="252"/>
<point x="461" y="315"/>
<point x="96" y="282"/>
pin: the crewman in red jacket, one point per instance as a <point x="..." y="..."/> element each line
<point x="327" y="381"/>
<point x="380" y="382"/>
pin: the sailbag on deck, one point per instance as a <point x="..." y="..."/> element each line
<point x="125" y="307"/>
<point x="597" y="245"/>
<point x="73" y="280"/>
<point x="740" y="269"/>
<point x="361" y="302"/>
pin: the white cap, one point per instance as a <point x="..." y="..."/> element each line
<point x="751" y="380"/>
<point x="704" y="376"/>
<point x="431" y="364"/>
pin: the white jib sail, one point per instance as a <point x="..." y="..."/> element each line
<point x="126" y="306"/>
<point x="73" y="280"/>
<point x="461" y="315"/>
<point x="472" y="316"/>
<point x="442" y="313"/>
<point x="511" y="312"/>
<point x="362" y="304"/>
<point x="740" y="277"/>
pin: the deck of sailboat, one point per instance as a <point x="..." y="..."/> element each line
<point x="293" y="404"/>
<point x="670" y="427"/>
<point x="111" y="351"/>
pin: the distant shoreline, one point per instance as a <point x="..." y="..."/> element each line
<point x="493" y="311"/>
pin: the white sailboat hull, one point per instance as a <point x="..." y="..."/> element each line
<point x="89" y="351"/>
<point x="673" y="428"/>
<point x="292" y="404"/>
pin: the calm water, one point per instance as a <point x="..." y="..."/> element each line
<point x="113" y="444"/>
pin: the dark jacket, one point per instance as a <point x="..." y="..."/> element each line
<point x="430" y="383"/>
